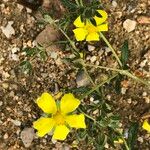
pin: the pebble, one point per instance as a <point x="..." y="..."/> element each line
<point x="91" y="99"/>
<point x="129" y="25"/>
<point x="93" y="59"/>
<point x="129" y="100"/>
<point x="5" y="85"/>
<point x="15" y="57"/>
<point x="8" y="31"/>
<point x="1" y="103"/>
<point x="91" y="48"/>
<point x="147" y="100"/>
<point x="144" y="94"/>
<point x="53" y="55"/>
<point x="82" y="79"/>
<point x="27" y="136"/>
<point x="5" y="136"/>
<point x="14" y="50"/>
<point x="114" y="4"/>
<point x="16" y="122"/>
<point x="123" y="90"/>
<point x="140" y="139"/>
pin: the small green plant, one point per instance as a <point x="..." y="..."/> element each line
<point x="90" y="20"/>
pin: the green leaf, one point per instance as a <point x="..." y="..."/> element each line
<point x="26" y="66"/>
<point x="119" y="78"/>
<point x="100" y="142"/>
<point x="30" y="51"/>
<point x="124" y="53"/>
<point x="132" y="135"/>
<point x="43" y="55"/>
<point x="69" y="5"/>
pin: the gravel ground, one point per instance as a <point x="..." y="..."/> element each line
<point x="18" y="91"/>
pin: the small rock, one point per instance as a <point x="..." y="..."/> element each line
<point x="143" y="20"/>
<point x="16" y="122"/>
<point x="5" y="136"/>
<point x="91" y="48"/>
<point x="144" y="94"/>
<point x="82" y="79"/>
<point x="129" y="100"/>
<point x="93" y="59"/>
<point x="48" y="35"/>
<point x="8" y="30"/>
<point x="123" y="90"/>
<point x="5" y="85"/>
<point x="1" y="103"/>
<point x="15" y="57"/>
<point x="140" y="139"/>
<point x="14" y="50"/>
<point x="20" y="7"/>
<point x="147" y="100"/>
<point x="29" y="10"/>
<point x="129" y="25"/>
<point x="53" y="55"/>
<point x="27" y="136"/>
<point x="114" y="4"/>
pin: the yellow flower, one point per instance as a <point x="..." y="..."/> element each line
<point x="119" y="141"/>
<point x="146" y="125"/>
<point x="87" y="30"/>
<point x="60" y="118"/>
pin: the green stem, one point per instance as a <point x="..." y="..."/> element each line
<point x="98" y="86"/>
<point x="123" y="72"/>
<point x="77" y="2"/>
<point x="111" y="48"/>
<point x="81" y="2"/>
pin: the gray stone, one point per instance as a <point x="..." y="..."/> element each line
<point x="27" y="136"/>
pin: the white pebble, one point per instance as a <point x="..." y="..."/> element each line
<point x="144" y="94"/>
<point x="93" y="59"/>
<point x="140" y="139"/>
<point x="8" y="31"/>
<point x="91" y="47"/>
<point x="129" y="25"/>
<point x="16" y="122"/>
<point x="5" y="136"/>
<point x="123" y="90"/>
<point x="114" y="4"/>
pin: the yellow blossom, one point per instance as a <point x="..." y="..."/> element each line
<point x="146" y="125"/>
<point x="119" y="141"/>
<point x="87" y="31"/>
<point x="61" y="120"/>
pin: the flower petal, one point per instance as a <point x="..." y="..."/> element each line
<point x="78" y="22"/>
<point x="103" y="27"/>
<point x="92" y="37"/>
<point x="43" y="125"/>
<point x="100" y="20"/>
<point x="80" y="34"/>
<point x="68" y="103"/>
<point x="76" y="121"/>
<point x="60" y="132"/>
<point x="146" y="125"/>
<point x="47" y="103"/>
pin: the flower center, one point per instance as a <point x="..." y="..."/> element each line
<point x="59" y="118"/>
<point x="91" y="28"/>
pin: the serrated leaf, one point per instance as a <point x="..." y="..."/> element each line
<point x="124" y="53"/>
<point x="132" y="134"/>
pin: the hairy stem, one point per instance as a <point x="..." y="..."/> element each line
<point x="111" y="48"/>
